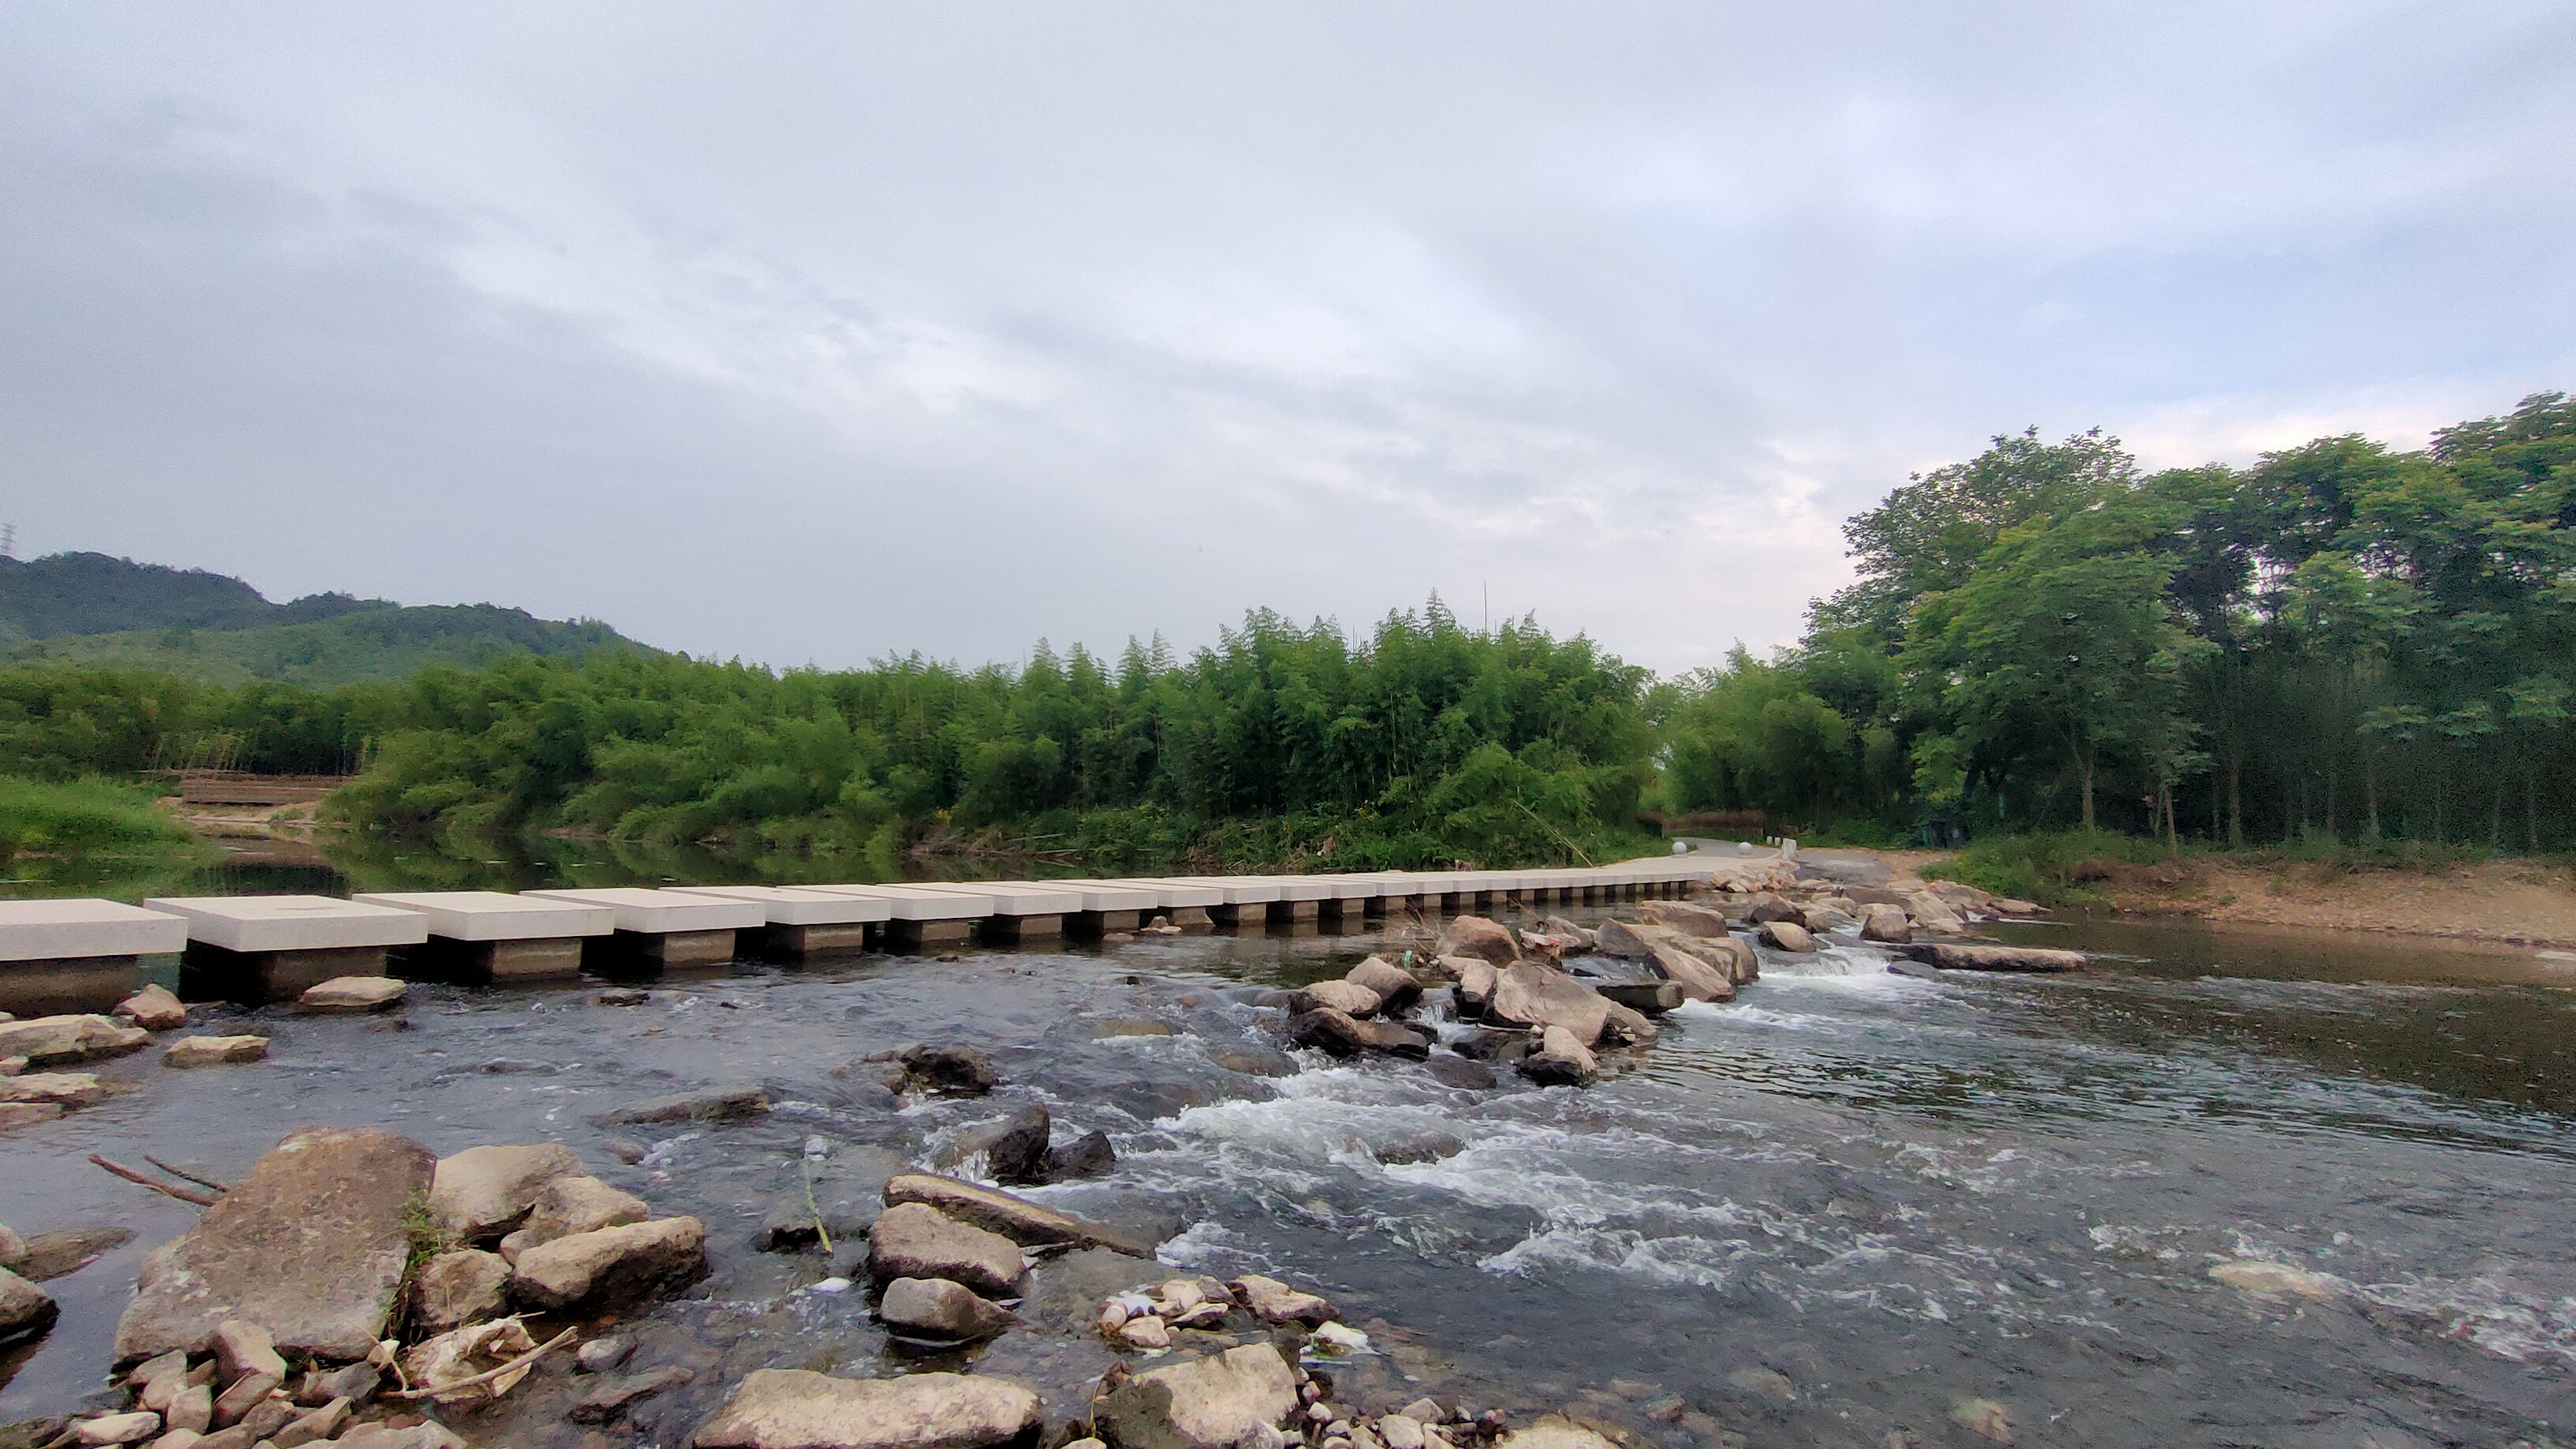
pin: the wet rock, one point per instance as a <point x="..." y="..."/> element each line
<point x="1018" y="1152"/>
<point x="1347" y="997"/>
<point x="1555" y="1431"/>
<point x="310" y="1245"/>
<point x="13" y="1249"/>
<point x="1021" y="1221"/>
<point x="847" y="1188"/>
<point x="1728" y="954"/>
<point x="1561" y="1061"/>
<point x="1415" y="1147"/>
<point x="711" y="1104"/>
<point x="1089" y="1155"/>
<point x="607" y="1400"/>
<point x="575" y="1203"/>
<point x="1394" y="988"/>
<point x="800" y="1409"/>
<point x="431" y="1435"/>
<point x="1993" y="958"/>
<point x="916" y="1240"/>
<point x="154" y="1009"/>
<point x="1227" y="1401"/>
<point x="2007" y="906"/>
<point x="456" y="1288"/>
<point x="14" y="1115"/>
<point x="1531" y="995"/>
<point x="1253" y="1061"/>
<point x="1682" y="916"/>
<point x="1476" y="981"/>
<point x="59" y="1090"/>
<point x="1931" y="913"/>
<point x="1618" y="938"/>
<point x="622" y="996"/>
<point x="1457" y="1071"/>
<point x="1885" y="923"/>
<point x="1565" y="930"/>
<point x="1276" y="1302"/>
<point x="604" y="1353"/>
<point x="611" y="1267"/>
<point x="24" y="1308"/>
<point x="1768" y="906"/>
<point x="1475" y="936"/>
<point x="1787" y="936"/>
<point x="939" y="1310"/>
<point x="1111" y="1028"/>
<point x="1627" y="1026"/>
<point x="1653" y="998"/>
<point x="484" y="1192"/>
<point x="350" y="995"/>
<point x="214" y="1051"/>
<point x="1339" y="1034"/>
<point x="1690" y="975"/>
<point x="1820" y="919"/>
<point x="2279" y="1280"/>
<point x="61" y="1040"/>
<point x="951" y="1071"/>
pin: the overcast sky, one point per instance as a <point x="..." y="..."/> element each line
<point x="809" y="333"/>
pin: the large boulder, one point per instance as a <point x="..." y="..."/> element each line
<point x="351" y="995"/>
<point x="1476" y="980"/>
<point x="310" y="1244"/>
<point x="574" y="1204"/>
<point x="1021" y="1221"/>
<point x="1532" y="995"/>
<point x="1769" y="906"/>
<point x="1340" y="1034"/>
<point x="1618" y="938"/>
<point x="1017" y="1151"/>
<point x="1347" y="997"/>
<point x="1476" y="936"/>
<point x="453" y="1289"/>
<point x="1653" y="998"/>
<point x="609" y="1268"/>
<point x="916" y="1240"/>
<point x="54" y="1089"/>
<point x="24" y="1307"/>
<point x="57" y="1040"/>
<point x="1885" y="924"/>
<point x="1684" y="917"/>
<point x="1560" y="1061"/>
<point x="1396" y="989"/>
<point x="1565" y="930"/>
<point x="801" y="1409"/>
<point x="950" y="1071"/>
<point x="1933" y="913"/>
<point x="1731" y="955"/>
<point x="1697" y="979"/>
<point x="154" y="1009"/>
<point x="1227" y="1401"/>
<point x="1787" y="936"/>
<point x="1965" y="957"/>
<point x="937" y="1310"/>
<point x="484" y="1192"/>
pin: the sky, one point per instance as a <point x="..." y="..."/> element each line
<point x="818" y="333"/>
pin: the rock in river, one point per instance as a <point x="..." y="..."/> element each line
<point x="1348" y="997"/>
<point x="351" y="994"/>
<point x="951" y="1071"/>
<point x="1994" y="958"/>
<point x="1017" y="1219"/>
<point x="939" y="1311"/>
<point x="154" y="1009"/>
<point x="1554" y="1431"/>
<point x="1695" y="978"/>
<point x="1276" y="1302"/>
<point x="1395" y="989"/>
<point x="1533" y="995"/>
<point x="1684" y="917"/>
<point x="1560" y="1061"/>
<point x="575" y="1203"/>
<point x="24" y="1307"/>
<point x="214" y="1051"/>
<point x="916" y="1240"/>
<point x="1787" y="936"/>
<point x="1223" y="1402"/>
<point x="310" y="1245"/>
<point x="483" y="1192"/>
<point x="1618" y="938"/>
<point x="1886" y="924"/>
<point x="456" y="1288"/>
<point x="1476" y="936"/>
<point x="57" y="1040"/>
<point x="713" y="1104"/>
<point x="1340" y="1034"/>
<point x="801" y="1409"/>
<point x="1767" y="907"/>
<point x="610" y="1267"/>
<point x="1017" y="1153"/>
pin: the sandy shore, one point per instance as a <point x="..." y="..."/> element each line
<point x="2508" y="902"/>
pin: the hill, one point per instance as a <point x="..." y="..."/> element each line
<point x="88" y="608"/>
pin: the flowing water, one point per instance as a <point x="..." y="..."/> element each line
<point x="2228" y="1189"/>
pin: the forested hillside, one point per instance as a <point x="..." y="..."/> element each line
<point x="90" y="609"/>
<point x="2340" y="641"/>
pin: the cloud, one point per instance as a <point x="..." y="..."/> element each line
<point x="818" y="334"/>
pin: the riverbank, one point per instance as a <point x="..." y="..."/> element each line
<point x="2513" y="902"/>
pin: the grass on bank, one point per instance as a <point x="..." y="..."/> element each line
<point x="2071" y="867"/>
<point x="86" y="817"/>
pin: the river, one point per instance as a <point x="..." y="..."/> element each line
<point x="2227" y="1189"/>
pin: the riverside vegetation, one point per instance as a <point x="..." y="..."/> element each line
<point x="2340" y="648"/>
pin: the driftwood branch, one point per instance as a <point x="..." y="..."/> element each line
<point x="142" y="1179"/>
<point x="440" y="1391"/>
<point x="208" y="1183"/>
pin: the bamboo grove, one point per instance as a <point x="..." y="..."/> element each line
<point x="2339" y="641"/>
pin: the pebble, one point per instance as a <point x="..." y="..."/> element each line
<point x="602" y="1354"/>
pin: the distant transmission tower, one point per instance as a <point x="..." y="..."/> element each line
<point x="8" y="540"/>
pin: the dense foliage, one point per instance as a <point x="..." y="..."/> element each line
<point x="2340" y="641"/>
